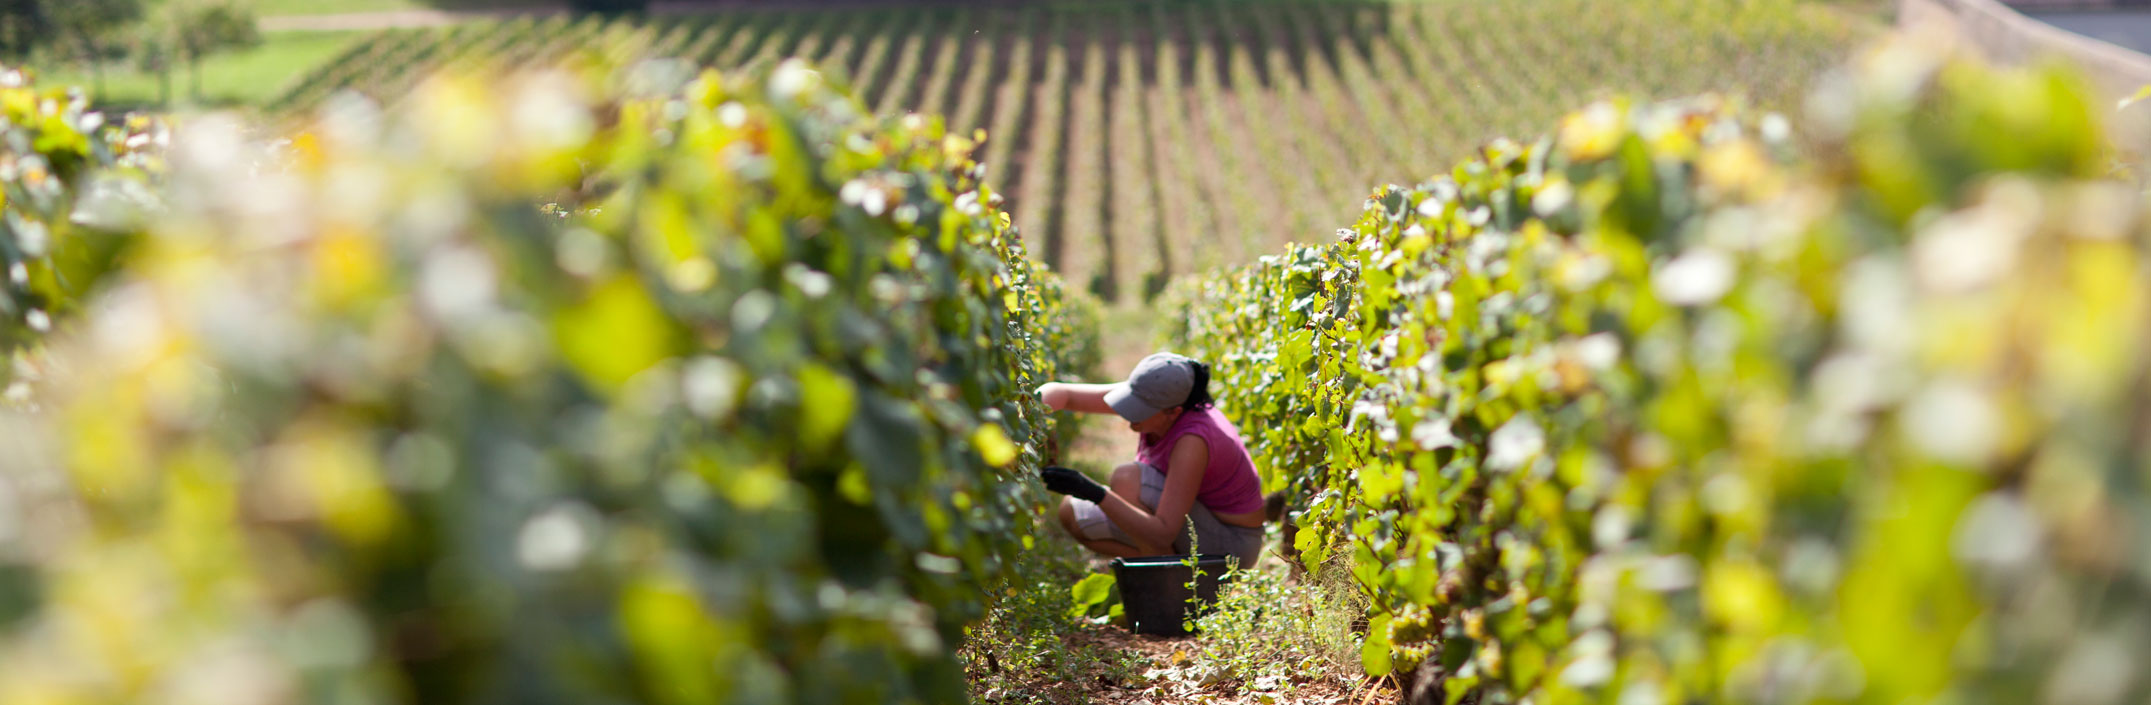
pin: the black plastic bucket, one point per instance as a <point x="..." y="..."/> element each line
<point x="1154" y="595"/>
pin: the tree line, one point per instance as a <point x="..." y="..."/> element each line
<point x="158" y="36"/>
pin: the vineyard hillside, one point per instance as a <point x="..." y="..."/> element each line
<point x="1141" y="140"/>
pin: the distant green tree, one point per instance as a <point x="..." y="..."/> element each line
<point x="22" y="26"/>
<point x="154" y="53"/>
<point x="91" y="31"/>
<point x="85" y="30"/>
<point x="609" y="7"/>
<point x="198" y="29"/>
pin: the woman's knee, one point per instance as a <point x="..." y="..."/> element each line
<point x="1066" y="514"/>
<point x="1127" y="480"/>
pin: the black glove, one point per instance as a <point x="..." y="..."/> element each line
<point x="1072" y="483"/>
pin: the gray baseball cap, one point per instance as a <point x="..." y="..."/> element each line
<point x="1161" y="381"/>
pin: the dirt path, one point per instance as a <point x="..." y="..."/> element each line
<point x="1172" y="676"/>
<point x="398" y="19"/>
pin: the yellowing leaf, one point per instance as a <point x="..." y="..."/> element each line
<point x="758" y="487"/>
<point x="1592" y="133"/>
<point x="330" y="473"/>
<point x="675" y="639"/>
<point x="827" y="401"/>
<point x="348" y="266"/>
<point x="1742" y="595"/>
<point x="614" y="334"/>
<point x="993" y="445"/>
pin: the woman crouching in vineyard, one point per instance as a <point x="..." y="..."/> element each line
<point x="1192" y="474"/>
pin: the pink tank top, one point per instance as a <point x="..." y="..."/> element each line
<point x="1229" y="484"/>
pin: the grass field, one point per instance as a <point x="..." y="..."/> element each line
<point x="1141" y="140"/>
<point x="255" y="76"/>
<point x="273" y="8"/>
<point x="250" y="77"/>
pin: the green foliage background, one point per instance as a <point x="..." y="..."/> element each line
<point x="739" y="417"/>
<point x="1662" y="408"/>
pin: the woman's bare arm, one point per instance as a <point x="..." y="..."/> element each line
<point x="1088" y="398"/>
<point x="1157" y="529"/>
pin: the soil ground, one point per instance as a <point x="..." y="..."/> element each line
<point x="1169" y="676"/>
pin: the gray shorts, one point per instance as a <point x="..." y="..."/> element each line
<point x="1210" y="535"/>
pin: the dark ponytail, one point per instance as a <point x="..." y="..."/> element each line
<point x="1199" y="392"/>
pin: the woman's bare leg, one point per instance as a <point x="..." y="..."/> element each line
<point x="1127" y="481"/>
